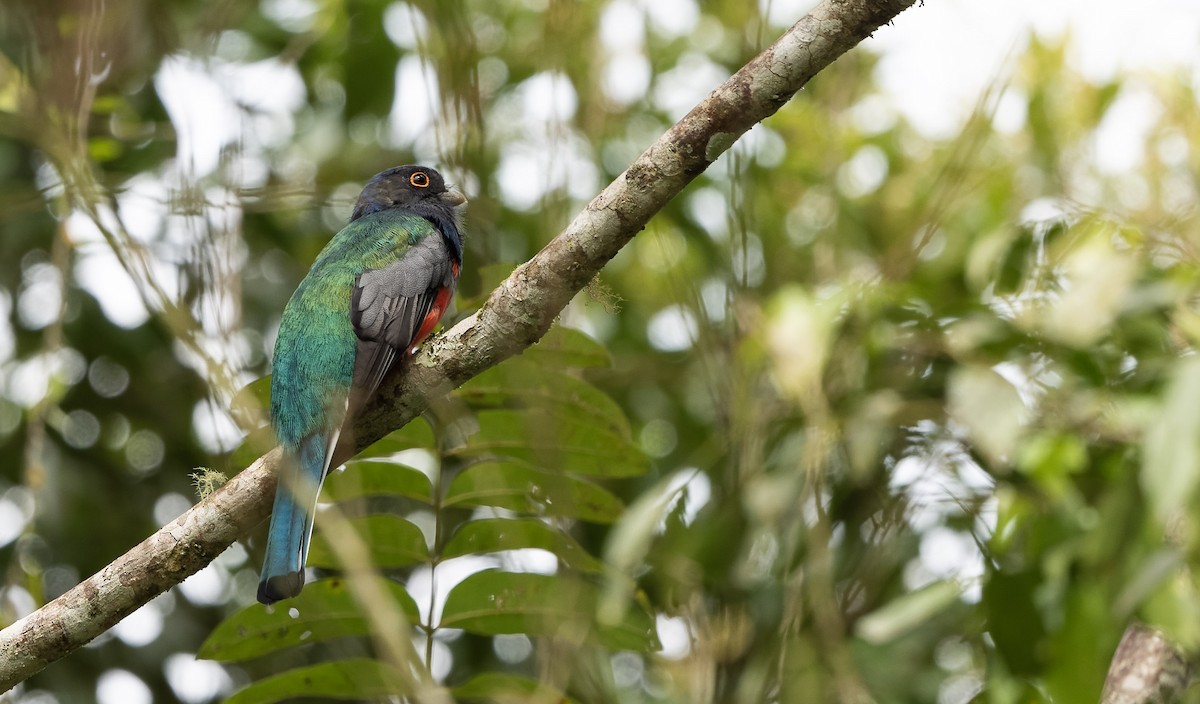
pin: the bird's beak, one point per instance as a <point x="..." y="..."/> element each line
<point x="453" y="197"/>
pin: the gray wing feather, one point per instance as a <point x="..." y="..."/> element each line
<point x="388" y="306"/>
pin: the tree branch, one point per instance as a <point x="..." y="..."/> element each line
<point x="516" y="316"/>
<point x="1146" y="669"/>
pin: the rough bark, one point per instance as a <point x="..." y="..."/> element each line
<point x="1146" y="669"/>
<point x="516" y="316"/>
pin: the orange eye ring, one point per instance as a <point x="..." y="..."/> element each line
<point x="420" y="179"/>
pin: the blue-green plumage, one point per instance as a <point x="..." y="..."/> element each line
<point x="375" y="291"/>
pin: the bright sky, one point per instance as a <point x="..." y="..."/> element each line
<point x="939" y="57"/>
<point x="936" y="61"/>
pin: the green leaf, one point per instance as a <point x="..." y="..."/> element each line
<point x="501" y="688"/>
<point x="493" y="602"/>
<point x="496" y="534"/>
<point x="628" y="544"/>
<point x="539" y="386"/>
<point x="1174" y="608"/>
<point x="417" y="434"/>
<point x="376" y="478"/>
<point x="554" y="442"/>
<point x="567" y="347"/>
<point x="1094" y="275"/>
<point x="1171" y="459"/>
<point x="256" y="444"/>
<point x="324" y="610"/>
<point x="1149" y="576"/>
<point x="359" y="678"/>
<point x="991" y="410"/>
<point x="367" y="48"/>
<point x="249" y="407"/>
<point x="1015" y="623"/>
<point x="1051" y="458"/>
<point x="518" y="487"/>
<point x="1077" y="654"/>
<point x="104" y="148"/>
<point x="908" y="611"/>
<point x="394" y="542"/>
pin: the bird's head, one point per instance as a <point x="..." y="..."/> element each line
<point x="410" y="186"/>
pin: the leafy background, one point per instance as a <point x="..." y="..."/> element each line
<point x="863" y="415"/>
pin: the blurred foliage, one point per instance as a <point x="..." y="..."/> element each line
<point x="887" y="418"/>
<point x="521" y="439"/>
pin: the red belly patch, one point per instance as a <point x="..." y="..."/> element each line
<point x="434" y="315"/>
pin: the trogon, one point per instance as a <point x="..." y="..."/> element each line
<point x="374" y="293"/>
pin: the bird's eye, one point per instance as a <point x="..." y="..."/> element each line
<point x="420" y="179"/>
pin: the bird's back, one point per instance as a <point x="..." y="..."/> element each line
<point x="313" y="366"/>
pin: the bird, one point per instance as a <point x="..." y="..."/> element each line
<point x="374" y="293"/>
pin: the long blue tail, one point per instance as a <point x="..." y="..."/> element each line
<point x="300" y="476"/>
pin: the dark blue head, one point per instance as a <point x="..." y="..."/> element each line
<point x="419" y="190"/>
